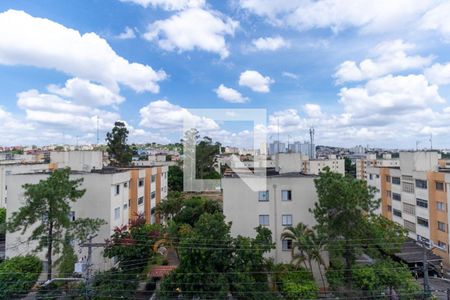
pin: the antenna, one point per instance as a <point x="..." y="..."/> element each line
<point x="431" y="141"/>
<point x="288" y="143"/>
<point x="278" y="133"/>
<point x="417" y="145"/>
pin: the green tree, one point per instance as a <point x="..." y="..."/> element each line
<point x="2" y="222"/>
<point x="350" y="168"/>
<point x="170" y="207"/>
<point x="18" y="275"/>
<point x="175" y="179"/>
<point x="132" y="245"/>
<point x="342" y="211"/>
<point x="47" y="205"/>
<point x="118" y="150"/>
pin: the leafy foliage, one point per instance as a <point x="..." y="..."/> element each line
<point x="132" y="245"/>
<point x="175" y="179"/>
<point x="114" y="284"/>
<point x="47" y="204"/>
<point x="2" y="222"/>
<point x="194" y="207"/>
<point x="18" y="275"/>
<point x="119" y="151"/>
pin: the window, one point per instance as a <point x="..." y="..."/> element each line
<point x="117" y="189"/>
<point x="286" y="245"/>
<point x="422" y="221"/>
<point x="396" y="196"/>
<point x="152" y="195"/>
<point x="388" y="194"/>
<point x="440" y="206"/>
<point x="286" y="220"/>
<point x="407" y="177"/>
<point x="388" y="178"/>
<point x="421" y="184"/>
<point x="397" y="213"/>
<point x="439" y="186"/>
<point x="370" y="176"/>
<point x="422" y="203"/>
<point x="411" y="226"/>
<point x="263" y="196"/>
<point x="409" y="209"/>
<point x="141" y="182"/>
<point x="408" y="187"/>
<point x="264" y="220"/>
<point x="116" y="213"/>
<point x="286" y="195"/>
<point x="140" y="200"/>
<point x="396" y="180"/>
<point x="441" y="226"/>
<point x="153" y="178"/>
<point x="72" y="216"/>
<point x="125" y="185"/>
<point x="125" y="206"/>
<point x="442" y="245"/>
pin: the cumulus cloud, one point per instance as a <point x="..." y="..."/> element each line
<point x="270" y="43"/>
<point x="368" y="15"/>
<point x="438" y="73"/>
<point x="193" y="28"/>
<point x="39" y="42"/>
<point x="127" y="34"/>
<point x="313" y="110"/>
<point x="168" y="4"/>
<point x="163" y="115"/>
<point x="230" y="95"/>
<point x="389" y="57"/>
<point x="255" y="81"/>
<point x="84" y="92"/>
<point x="437" y="19"/>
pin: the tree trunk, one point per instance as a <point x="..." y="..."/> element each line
<point x="321" y="277"/>
<point x="49" y="251"/>
<point x="348" y="267"/>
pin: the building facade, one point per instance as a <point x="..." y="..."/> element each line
<point x="371" y="160"/>
<point x="415" y="195"/>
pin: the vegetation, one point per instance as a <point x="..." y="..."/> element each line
<point x="18" y="275"/>
<point x="2" y="223"/>
<point x="132" y="245"/>
<point x="175" y="179"/>
<point x="350" y="168"/>
<point x="120" y="153"/>
<point x="114" y="284"/>
<point x="47" y="205"/>
<point x="295" y="282"/>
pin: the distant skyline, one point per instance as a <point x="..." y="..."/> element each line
<point x="359" y="72"/>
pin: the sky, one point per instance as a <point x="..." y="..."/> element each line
<point x="361" y="72"/>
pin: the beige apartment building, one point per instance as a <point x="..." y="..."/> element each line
<point x="116" y="195"/>
<point x="371" y="160"/>
<point x="415" y="195"/>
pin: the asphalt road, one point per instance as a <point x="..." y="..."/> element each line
<point x="438" y="287"/>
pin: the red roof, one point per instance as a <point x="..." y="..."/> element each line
<point x="161" y="271"/>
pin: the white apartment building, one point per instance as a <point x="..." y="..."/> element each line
<point x="77" y="160"/>
<point x="16" y="168"/>
<point x="116" y="195"/>
<point x="283" y="200"/>
<point x="415" y="195"/>
<point x="372" y="161"/>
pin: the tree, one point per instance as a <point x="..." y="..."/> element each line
<point x="47" y="205"/>
<point x="342" y="212"/>
<point x="350" y="168"/>
<point x="18" y="275"/>
<point x="175" y="179"/>
<point x="119" y="152"/>
<point x="2" y="222"/>
<point x="170" y="207"/>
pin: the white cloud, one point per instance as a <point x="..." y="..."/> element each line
<point x="127" y="34"/>
<point x="169" y="4"/>
<point x="438" y="74"/>
<point x="389" y="96"/>
<point x="39" y="42"/>
<point x="390" y="56"/>
<point x="230" y="95"/>
<point x="52" y="110"/>
<point x="255" y="81"/>
<point x="438" y="19"/>
<point x="194" y="28"/>
<point x="368" y="15"/>
<point x="313" y="110"/>
<point x="270" y="43"/>
<point x="163" y="115"/>
<point x="290" y="75"/>
<point x="84" y="92"/>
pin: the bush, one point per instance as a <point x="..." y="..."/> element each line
<point x="297" y="283"/>
<point x="2" y="223"/>
<point x="114" y="284"/>
<point x="18" y="275"/>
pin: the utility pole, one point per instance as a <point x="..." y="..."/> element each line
<point x="426" y="279"/>
<point x="88" y="273"/>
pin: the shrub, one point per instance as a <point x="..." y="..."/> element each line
<point x="18" y="275"/>
<point x="297" y="283"/>
<point x="114" y="284"/>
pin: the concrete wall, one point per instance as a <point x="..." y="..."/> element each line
<point x="78" y="160"/>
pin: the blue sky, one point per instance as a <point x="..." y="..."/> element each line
<point x="365" y="72"/>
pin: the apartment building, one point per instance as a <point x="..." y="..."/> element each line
<point x="297" y="162"/>
<point x="371" y="160"/>
<point x="415" y="195"/>
<point x="280" y="200"/>
<point x="116" y="195"/>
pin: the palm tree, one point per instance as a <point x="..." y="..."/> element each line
<point x="315" y="252"/>
<point x="300" y="236"/>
